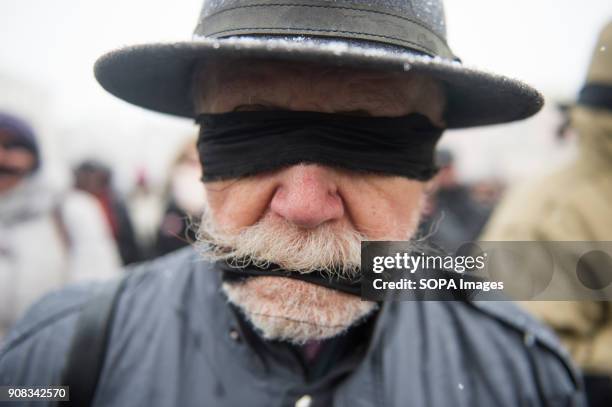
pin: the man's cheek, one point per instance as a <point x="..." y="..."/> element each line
<point x="224" y="211"/>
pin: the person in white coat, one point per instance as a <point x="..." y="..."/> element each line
<point x="48" y="237"/>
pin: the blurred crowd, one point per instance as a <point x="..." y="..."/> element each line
<point x="456" y="211"/>
<point x="52" y="236"/>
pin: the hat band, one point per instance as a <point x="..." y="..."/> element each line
<point x="596" y="95"/>
<point x="323" y="18"/>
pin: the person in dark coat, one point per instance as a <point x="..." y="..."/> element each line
<point x="454" y="217"/>
<point x="318" y="124"/>
<point x="95" y="178"/>
<point x="185" y="202"/>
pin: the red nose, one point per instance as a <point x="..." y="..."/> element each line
<point x="307" y="196"/>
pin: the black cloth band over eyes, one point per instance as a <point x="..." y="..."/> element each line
<point x="239" y="144"/>
<point x="233" y="274"/>
<point x="596" y="95"/>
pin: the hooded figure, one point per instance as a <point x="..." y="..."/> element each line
<point x="318" y="126"/>
<point x="574" y="205"/>
<point x="47" y="238"/>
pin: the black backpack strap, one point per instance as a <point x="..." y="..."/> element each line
<point x="88" y="348"/>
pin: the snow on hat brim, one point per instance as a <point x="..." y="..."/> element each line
<point x="159" y="76"/>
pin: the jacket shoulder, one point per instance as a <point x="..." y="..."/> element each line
<point x="160" y="282"/>
<point x="513" y="318"/>
<point x="36" y="349"/>
<point x="510" y="358"/>
<point x="553" y="368"/>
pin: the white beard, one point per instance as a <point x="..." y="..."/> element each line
<point x="295" y="311"/>
<point x="284" y="308"/>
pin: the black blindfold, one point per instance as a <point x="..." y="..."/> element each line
<point x="239" y="144"/>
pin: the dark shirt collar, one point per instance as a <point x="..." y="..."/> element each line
<point x="337" y="357"/>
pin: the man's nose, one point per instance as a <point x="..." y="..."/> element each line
<point x="307" y="196"/>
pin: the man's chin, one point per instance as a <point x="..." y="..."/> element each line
<point x="286" y="309"/>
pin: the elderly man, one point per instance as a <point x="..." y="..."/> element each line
<point x="318" y="126"/>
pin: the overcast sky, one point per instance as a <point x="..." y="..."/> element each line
<point x="51" y="46"/>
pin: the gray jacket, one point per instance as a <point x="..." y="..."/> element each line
<point x="176" y="342"/>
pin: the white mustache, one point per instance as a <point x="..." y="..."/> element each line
<point x="328" y="248"/>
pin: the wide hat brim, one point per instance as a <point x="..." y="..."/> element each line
<point x="159" y="76"/>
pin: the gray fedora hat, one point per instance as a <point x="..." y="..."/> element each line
<point x="393" y="35"/>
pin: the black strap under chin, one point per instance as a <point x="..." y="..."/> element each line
<point x="236" y="273"/>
